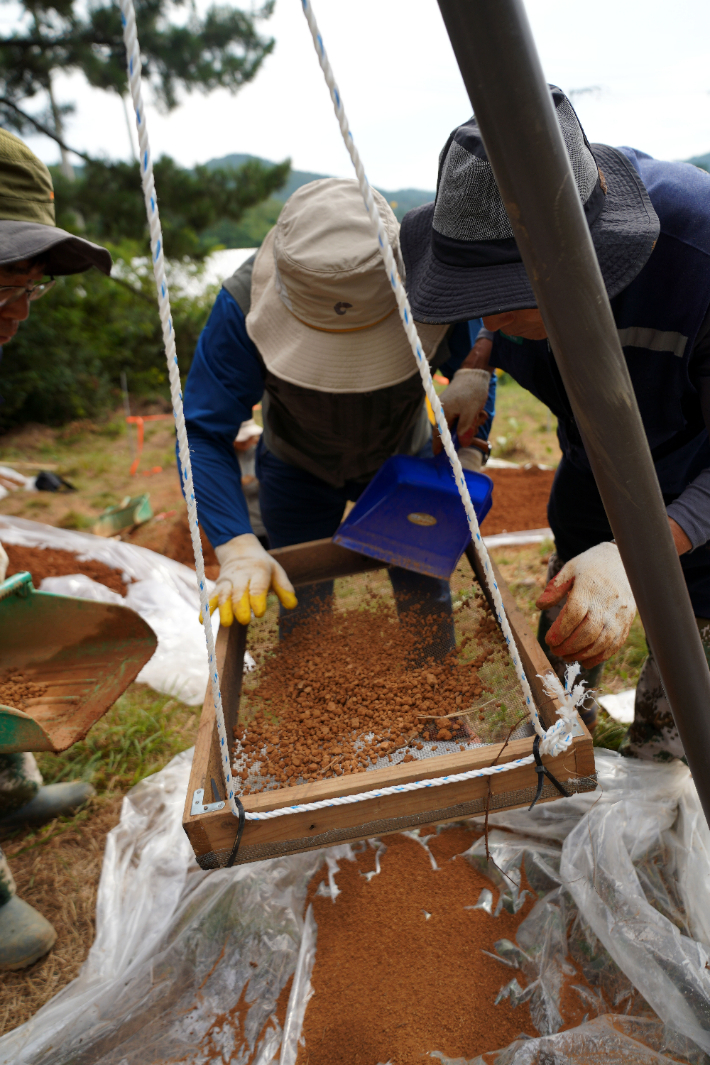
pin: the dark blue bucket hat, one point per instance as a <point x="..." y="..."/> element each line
<point x="460" y="255"/>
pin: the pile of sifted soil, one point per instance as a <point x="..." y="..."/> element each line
<point x="351" y="688"/>
<point x="519" y="499"/>
<point x="44" y="562"/>
<point x="171" y="537"/>
<point x="16" y="690"/>
<point x="400" y="969"/>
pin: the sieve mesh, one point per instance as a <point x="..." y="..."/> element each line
<point x="475" y="699"/>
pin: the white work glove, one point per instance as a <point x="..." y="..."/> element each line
<point x="464" y="399"/>
<point x="246" y="573"/>
<point x="600" y="607"/>
<point x="471" y="458"/>
<point x="4" y="563"/>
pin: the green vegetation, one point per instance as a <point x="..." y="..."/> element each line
<point x="66" y="360"/>
<point x="138" y="736"/>
<point x="221" y="50"/>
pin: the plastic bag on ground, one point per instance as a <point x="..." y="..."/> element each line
<point x="187" y="965"/>
<point x="162" y="591"/>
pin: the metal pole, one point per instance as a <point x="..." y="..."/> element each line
<point x="499" y="63"/>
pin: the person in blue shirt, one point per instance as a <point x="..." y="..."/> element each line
<point x="650" y="224"/>
<point x="309" y="326"/>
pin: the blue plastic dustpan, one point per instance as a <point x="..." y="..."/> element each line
<point x="411" y="515"/>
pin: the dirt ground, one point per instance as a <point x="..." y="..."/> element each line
<point x="57" y="871"/>
<point x="519" y="499"/>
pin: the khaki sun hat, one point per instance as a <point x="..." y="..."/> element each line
<point x="323" y="314"/>
<point x="27" y="226"/>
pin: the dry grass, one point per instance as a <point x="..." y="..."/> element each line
<point x="57" y="871"/>
<point x="57" y="867"/>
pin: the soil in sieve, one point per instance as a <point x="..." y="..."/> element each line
<point x="44" y="562"/>
<point x="355" y="687"/>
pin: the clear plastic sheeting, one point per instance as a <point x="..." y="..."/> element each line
<point x="187" y="966"/>
<point x="162" y="591"/>
<point x="609" y="1040"/>
<point x="623" y="880"/>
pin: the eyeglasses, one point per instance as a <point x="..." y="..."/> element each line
<point x="34" y="291"/>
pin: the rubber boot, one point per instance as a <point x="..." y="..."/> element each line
<point x="52" y="800"/>
<point x="25" y="935"/>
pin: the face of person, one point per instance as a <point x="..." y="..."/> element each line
<point x="527" y="324"/>
<point x="11" y="314"/>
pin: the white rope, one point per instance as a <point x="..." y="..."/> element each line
<point x="558" y="737"/>
<point x="130" y="37"/>
<point x="395" y="789"/>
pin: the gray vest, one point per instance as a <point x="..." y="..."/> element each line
<point x="338" y="437"/>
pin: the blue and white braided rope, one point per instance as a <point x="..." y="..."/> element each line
<point x="130" y="37"/>
<point x="557" y="738"/>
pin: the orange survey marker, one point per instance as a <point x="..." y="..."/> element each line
<point x="138" y="420"/>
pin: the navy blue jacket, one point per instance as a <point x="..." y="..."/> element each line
<point x="658" y="316"/>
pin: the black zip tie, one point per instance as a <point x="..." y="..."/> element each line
<point x="542" y="771"/>
<point x="238" y="840"/>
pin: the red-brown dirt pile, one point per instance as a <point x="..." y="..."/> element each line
<point x="44" y="562"/>
<point x="519" y="500"/>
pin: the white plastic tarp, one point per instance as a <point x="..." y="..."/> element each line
<point x="622" y="877"/>
<point x="162" y="591"/>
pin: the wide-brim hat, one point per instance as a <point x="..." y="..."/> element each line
<point x="461" y="258"/>
<point x="27" y="216"/>
<point x="323" y="314"/>
<point x="61" y="252"/>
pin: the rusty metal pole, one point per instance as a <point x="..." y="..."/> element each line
<point x="501" y="69"/>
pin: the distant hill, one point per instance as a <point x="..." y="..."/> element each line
<point x="401" y="200"/>
<point x="703" y="161"/>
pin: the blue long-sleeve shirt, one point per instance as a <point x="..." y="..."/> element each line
<point x="225" y="382"/>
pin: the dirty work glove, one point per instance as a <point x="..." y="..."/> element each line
<point x="471" y="458"/>
<point x="246" y="573"/>
<point x="464" y="398"/>
<point x="600" y="607"/>
<point x="4" y="563"/>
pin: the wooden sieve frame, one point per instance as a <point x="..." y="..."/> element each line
<point x="212" y="833"/>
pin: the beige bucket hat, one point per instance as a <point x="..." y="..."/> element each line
<point x="323" y="314"/>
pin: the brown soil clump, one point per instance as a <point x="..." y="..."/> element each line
<point x="393" y="984"/>
<point x="44" y="562"/>
<point x="348" y="689"/>
<point x="15" y="690"/>
<point x="519" y="500"/>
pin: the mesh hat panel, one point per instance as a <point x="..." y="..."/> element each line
<point x="468" y="204"/>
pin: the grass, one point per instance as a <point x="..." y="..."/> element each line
<point x="138" y="736"/>
<point x="96" y="458"/>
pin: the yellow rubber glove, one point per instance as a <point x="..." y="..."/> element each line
<point x="246" y="573"/>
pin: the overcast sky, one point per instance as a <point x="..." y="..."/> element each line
<point x="647" y="62"/>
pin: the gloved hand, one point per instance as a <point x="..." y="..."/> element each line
<point x="471" y="458"/>
<point x="464" y="399"/>
<point x="4" y="563"/>
<point x="600" y="607"/>
<point x="246" y="573"/>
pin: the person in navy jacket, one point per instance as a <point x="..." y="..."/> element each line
<point x="650" y="224"/>
<point x="309" y="326"/>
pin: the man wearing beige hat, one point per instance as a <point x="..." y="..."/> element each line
<point x="310" y="327"/>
